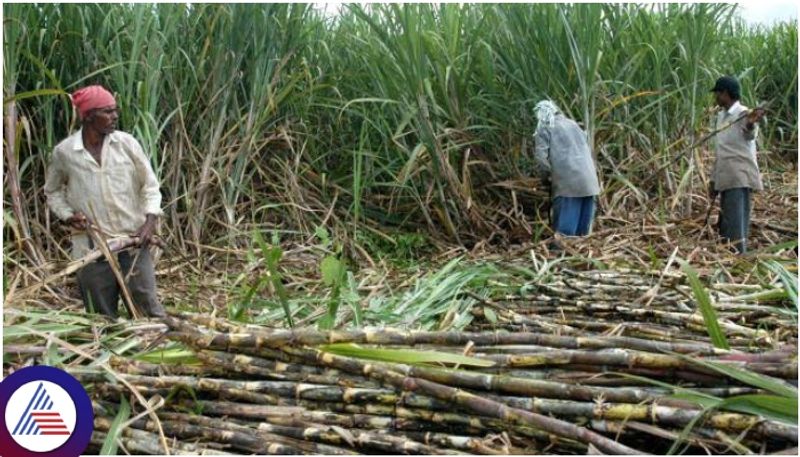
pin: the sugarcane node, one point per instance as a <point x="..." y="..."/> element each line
<point x="409" y="384"/>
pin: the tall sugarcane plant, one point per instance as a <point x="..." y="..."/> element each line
<point x="404" y="115"/>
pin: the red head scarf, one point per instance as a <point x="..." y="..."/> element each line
<point x="92" y="97"/>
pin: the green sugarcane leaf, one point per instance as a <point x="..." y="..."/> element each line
<point x="765" y="296"/>
<point x="52" y="357"/>
<point x="404" y="355"/>
<point x="352" y="297"/>
<point x="782" y="409"/>
<point x="272" y="255"/>
<point x="23" y="330"/>
<point x="718" y="337"/>
<point x="110" y="443"/>
<point x="33" y="93"/>
<point x="788" y="279"/>
<point x="761" y="381"/>
<point x="681" y="393"/>
<point x="323" y="235"/>
<point x="700" y="399"/>
<point x="788" y="245"/>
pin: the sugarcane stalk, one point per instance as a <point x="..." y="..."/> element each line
<point x="114" y="245"/>
<point x="11" y="120"/>
<point x="652" y="413"/>
<point x="311" y="337"/>
<point x="358" y="439"/>
<point x="627" y="427"/>
<point x="242" y="438"/>
<point x="136" y="444"/>
<point x="473" y="380"/>
<point x="268" y="392"/>
<point x="410" y="443"/>
<point x="301" y="440"/>
<point x="143" y="442"/>
<point x="463" y="443"/>
<point x="371" y="416"/>
<point x="385" y="402"/>
<point x="251" y="365"/>
<point x="702" y="140"/>
<point x="232" y="394"/>
<point x="128" y="366"/>
<point x="273" y="389"/>
<point x="630" y="359"/>
<point x="95" y="235"/>
<point x="469" y="401"/>
<point x="680" y="319"/>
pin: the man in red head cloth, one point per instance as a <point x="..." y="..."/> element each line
<point x="100" y="179"/>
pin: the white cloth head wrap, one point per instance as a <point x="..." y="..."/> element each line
<point x="545" y="112"/>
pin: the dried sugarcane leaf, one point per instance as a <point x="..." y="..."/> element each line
<point x="345" y="434"/>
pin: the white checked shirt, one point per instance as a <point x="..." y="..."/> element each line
<point x="115" y="195"/>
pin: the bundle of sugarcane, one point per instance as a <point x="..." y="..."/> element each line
<point x="655" y="306"/>
<point x="573" y="362"/>
<point x="257" y="390"/>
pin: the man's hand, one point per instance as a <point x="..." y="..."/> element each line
<point x="147" y="231"/>
<point x="754" y="117"/>
<point x="78" y="221"/>
<point x="712" y="191"/>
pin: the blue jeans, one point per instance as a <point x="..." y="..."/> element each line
<point x="572" y="216"/>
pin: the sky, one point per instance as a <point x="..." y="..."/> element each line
<point x="753" y="11"/>
<point x="767" y="12"/>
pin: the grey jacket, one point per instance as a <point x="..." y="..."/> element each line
<point x="563" y="152"/>
<point x="735" y="162"/>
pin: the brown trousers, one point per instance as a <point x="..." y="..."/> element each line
<point x="101" y="292"/>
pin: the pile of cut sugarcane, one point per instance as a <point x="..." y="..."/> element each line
<point x="572" y="362"/>
<point x="657" y="306"/>
<point x="608" y="362"/>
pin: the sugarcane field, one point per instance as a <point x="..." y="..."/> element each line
<point x="399" y="229"/>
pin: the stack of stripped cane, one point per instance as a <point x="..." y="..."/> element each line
<point x="562" y="380"/>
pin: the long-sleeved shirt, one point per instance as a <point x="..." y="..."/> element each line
<point x="735" y="162"/>
<point x="116" y="195"/>
<point x="563" y="152"/>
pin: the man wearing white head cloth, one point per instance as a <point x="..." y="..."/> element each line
<point x="563" y="154"/>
